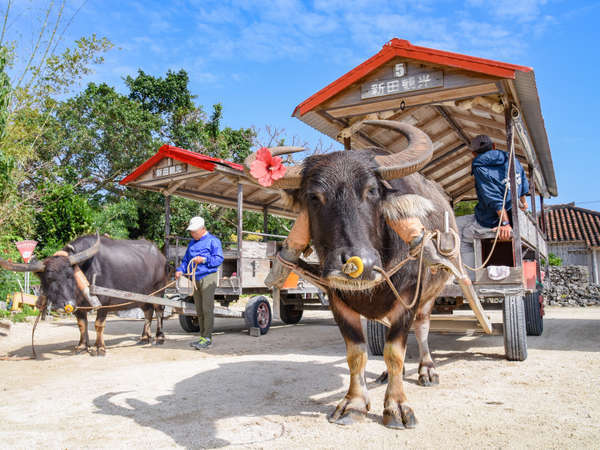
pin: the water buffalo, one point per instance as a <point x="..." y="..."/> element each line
<point x="135" y="266"/>
<point x="356" y="205"/>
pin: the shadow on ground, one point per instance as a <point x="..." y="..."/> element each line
<point x="233" y="404"/>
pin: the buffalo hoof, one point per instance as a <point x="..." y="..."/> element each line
<point x="160" y="340"/>
<point x="427" y="375"/>
<point x="399" y="419"/>
<point x="93" y="351"/>
<point x="383" y="378"/>
<point x="101" y="351"/>
<point x="81" y="349"/>
<point x="431" y="379"/>
<point x="349" y="411"/>
<point x="143" y="341"/>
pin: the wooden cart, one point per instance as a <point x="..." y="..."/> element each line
<point x="453" y="98"/>
<point x="180" y="172"/>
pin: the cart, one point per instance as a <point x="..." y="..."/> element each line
<point x="180" y="172"/>
<point x="453" y="98"/>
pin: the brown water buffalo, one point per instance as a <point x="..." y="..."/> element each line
<point x="135" y="266"/>
<point x="353" y="202"/>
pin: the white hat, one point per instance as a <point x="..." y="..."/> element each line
<point x="196" y="223"/>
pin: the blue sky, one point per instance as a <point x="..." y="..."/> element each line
<point x="262" y="58"/>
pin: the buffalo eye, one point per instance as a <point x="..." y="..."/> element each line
<point x="370" y="191"/>
<point x="316" y="198"/>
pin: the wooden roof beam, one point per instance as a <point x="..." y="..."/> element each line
<point x="461" y="134"/>
<point x="479" y="120"/>
<point x="432" y="165"/>
<point x="446" y="162"/>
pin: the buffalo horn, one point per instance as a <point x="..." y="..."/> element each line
<point x="407" y="161"/>
<point x="37" y="266"/>
<point x="85" y="254"/>
<point x="293" y="174"/>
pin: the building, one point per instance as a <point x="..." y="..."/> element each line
<point x="574" y="236"/>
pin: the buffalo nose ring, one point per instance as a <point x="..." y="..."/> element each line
<point x="353" y="267"/>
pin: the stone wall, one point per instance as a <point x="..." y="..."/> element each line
<point x="570" y="286"/>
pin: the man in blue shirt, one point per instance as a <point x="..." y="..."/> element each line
<point x="204" y="253"/>
<point x="490" y="169"/>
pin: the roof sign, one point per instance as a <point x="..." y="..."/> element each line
<point x="417" y="82"/>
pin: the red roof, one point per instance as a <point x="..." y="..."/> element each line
<point x="399" y="47"/>
<point x="569" y="223"/>
<point x="180" y="154"/>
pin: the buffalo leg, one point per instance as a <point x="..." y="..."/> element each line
<point x="396" y="413"/>
<point x="100" y="323"/>
<point x="146" y="332"/>
<point x="356" y="402"/>
<point x="160" y="335"/>
<point x="427" y="374"/>
<point x="82" y="323"/>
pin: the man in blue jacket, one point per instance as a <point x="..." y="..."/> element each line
<point x="204" y="253"/>
<point x="490" y="169"/>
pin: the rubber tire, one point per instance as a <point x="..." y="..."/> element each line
<point x="376" y="334"/>
<point x="252" y="310"/>
<point x="533" y="314"/>
<point x="189" y="323"/>
<point x="515" y="332"/>
<point x="289" y="315"/>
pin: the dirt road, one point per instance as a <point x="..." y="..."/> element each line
<point x="275" y="391"/>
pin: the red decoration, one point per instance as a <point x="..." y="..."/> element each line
<point x="267" y="168"/>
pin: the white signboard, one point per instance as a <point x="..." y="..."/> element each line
<point x="175" y="169"/>
<point x="417" y="82"/>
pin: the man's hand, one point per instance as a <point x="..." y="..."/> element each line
<point x="505" y="232"/>
<point x="523" y="204"/>
<point x="199" y="259"/>
<point x="178" y="275"/>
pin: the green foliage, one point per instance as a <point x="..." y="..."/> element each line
<point x="65" y="215"/>
<point x="114" y="219"/>
<point x="19" y="316"/>
<point x="554" y="260"/>
<point x="464" y="208"/>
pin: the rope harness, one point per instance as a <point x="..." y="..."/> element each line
<point x="386" y="275"/>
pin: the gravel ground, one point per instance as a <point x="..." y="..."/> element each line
<point x="275" y="391"/>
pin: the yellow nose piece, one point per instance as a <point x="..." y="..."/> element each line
<point x="68" y="309"/>
<point x="354" y="267"/>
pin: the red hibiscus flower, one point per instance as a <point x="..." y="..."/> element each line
<point x="266" y="168"/>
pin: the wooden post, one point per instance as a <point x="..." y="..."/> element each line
<point x="347" y="143"/>
<point x="538" y="268"/>
<point x="543" y="216"/>
<point x="240" y="212"/>
<point x="167" y="225"/>
<point x="266" y="220"/>
<point x="514" y="195"/>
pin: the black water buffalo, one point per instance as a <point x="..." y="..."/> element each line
<point x="135" y="266"/>
<point x="351" y="200"/>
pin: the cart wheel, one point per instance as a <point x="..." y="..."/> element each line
<point x="534" y="320"/>
<point x="515" y="333"/>
<point x="189" y="323"/>
<point x="258" y="313"/>
<point x="376" y="333"/>
<point x="290" y="314"/>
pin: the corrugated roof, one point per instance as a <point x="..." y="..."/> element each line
<point x="565" y="223"/>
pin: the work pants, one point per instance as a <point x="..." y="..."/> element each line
<point x="204" y="299"/>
